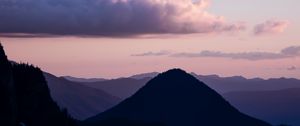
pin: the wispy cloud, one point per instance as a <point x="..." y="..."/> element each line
<point x="271" y="27"/>
<point x="243" y="55"/>
<point x="110" y="17"/>
<point x="161" y="53"/>
<point x="289" y="52"/>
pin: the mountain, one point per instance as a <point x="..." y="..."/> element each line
<point x="144" y="75"/>
<point x="80" y="101"/>
<point x="281" y="106"/>
<point x="221" y="84"/>
<point x="76" y="79"/>
<point x="175" y="98"/>
<point x="8" y="113"/>
<point x="238" y="83"/>
<point x="122" y="87"/>
<point x="25" y="97"/>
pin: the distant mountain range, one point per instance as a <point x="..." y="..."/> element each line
<point x="220" y="84"/>
<point x="225" y="86"/>
<point x="144" y="75"/>
<point x="175" y="98"/>
<point x="76" y="79"/>
<point x="281" y="106"/>
<point x="81" y="101"/>
<point x="122" y="87"/>
<point x="238" y="83"/>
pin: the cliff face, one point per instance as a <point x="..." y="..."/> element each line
<point x="25" y="97"/>
<point x="7" y="93"/>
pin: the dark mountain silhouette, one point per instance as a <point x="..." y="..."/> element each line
<point x="123" y="122"/>
<point x="220" y="84"/>
<point x="277" y="107"/>
<point x="76" y="79"/>
<point x="239" y="83"/>
<point x="122" y="87"/>
<point x="80" y="101"/>
<point x="25" y="97"/>
<point x="8" y="113"/>
<point x="175" y="98"/>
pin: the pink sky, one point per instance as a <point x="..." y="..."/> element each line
<point x="110" y="58"/>
<point x="83" y="47"/>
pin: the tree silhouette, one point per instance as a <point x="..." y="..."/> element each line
<point x="8" y="107"/>
<point x="25" y="97"/>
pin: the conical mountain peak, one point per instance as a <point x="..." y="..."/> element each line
<point x="176" y="82"/>
<point x="176" y="98"/>
<point x="175" y="72"/>
<point x="174" y="77"/>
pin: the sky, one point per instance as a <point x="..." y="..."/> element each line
<point x="117" y="38"/>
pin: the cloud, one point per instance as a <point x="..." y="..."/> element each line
<point x="244" y="55"/>
<point x="161" y="53"/>
<point x="271" y="27"/>
<point x="293" y="50"/>
<point x="289" y="52"/>
<point x="110" y="18"/>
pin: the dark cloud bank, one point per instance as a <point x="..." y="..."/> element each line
<point x="289" y="52"/>
<point x="109" y="18"/>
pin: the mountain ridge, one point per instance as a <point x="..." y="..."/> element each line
<point x="81" y="101"/>
<point x="26" y="97"/>
<point x="169" y="98"/>
<point x="77" y="79"/>
<point x="220" y="84"/>
<point x="276" y="107"/>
